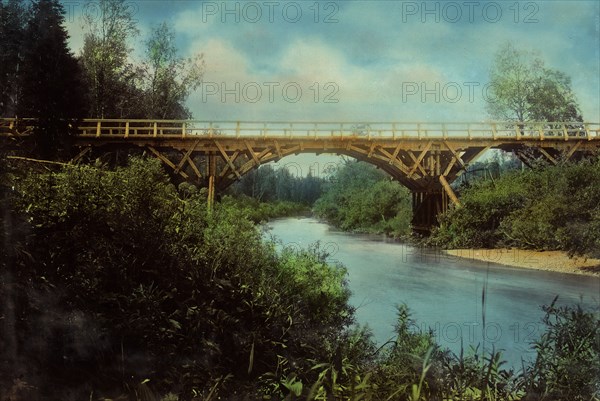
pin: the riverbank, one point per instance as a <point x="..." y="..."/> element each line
<point x="556" y="261"/>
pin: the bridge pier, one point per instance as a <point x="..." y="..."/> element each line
<point x="426" y="207"/>
<point x="211" y="168"/>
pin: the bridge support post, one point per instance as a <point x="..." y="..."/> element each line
<point x="212" y="167"/>
<point x="427" y="205"/>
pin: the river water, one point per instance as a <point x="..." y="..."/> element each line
<point x="443" y="292"/>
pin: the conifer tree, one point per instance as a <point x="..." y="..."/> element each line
<point x="50" y="78"/>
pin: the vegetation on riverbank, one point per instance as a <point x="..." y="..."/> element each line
<point x="544" y="208"/>
<point x="259" y="212"/>
<point x="115" y="280"/>
<point x="360" y="198"/>
<point x="117" y="284"/>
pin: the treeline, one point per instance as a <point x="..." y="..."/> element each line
<point x="117" y="285"/>
<point x="358" y="197"/>
<point x="267" y="184"/>
<point x="41" y="78"/>
<point x="545" y="208"/>
<point x="495" y="164"/>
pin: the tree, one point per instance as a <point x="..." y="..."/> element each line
<point x="524" y="89"/>
<point x="50" y="78"/>
<point x="169" y="78"/>
<point x="360" y="197"/>
<point x="110" y="76"/>
<point x="12" y="29"/>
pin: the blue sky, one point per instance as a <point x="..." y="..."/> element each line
<point x="365" y="60"/>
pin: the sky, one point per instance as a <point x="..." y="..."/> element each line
<point x="364" y="60"/>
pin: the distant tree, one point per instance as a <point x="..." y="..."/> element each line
<point x="268" y="184"/>
<point x="524" y="89"/>
<point x="360" y="197"/>
<point x="12" y="29"/>
<point x="260" y="184"/>
<point x="169" y="79"/>
<point x="311" y="188"/>
<point x="50" y="78"/>
<point x="111" y="78"/>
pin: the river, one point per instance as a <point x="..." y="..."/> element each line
<point x="443" y="292"/>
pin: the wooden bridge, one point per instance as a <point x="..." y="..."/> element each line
<point x="425" y="157"/>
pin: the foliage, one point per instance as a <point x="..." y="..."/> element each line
<point x="259" y="212"/>
<point x="168" y="78"/>
<point x="268" y="184"/>
<point x="115" y="284"/>
<point x="12" y="30"/>
<point x="110" y="76"/>
<point x="412" y="367"/>
<point x="493" y="167"/>
<point x="117" y="279"/>
<point x="567" y="366"/>
<point x="156" y="89"/>
<point x="49" y="77"/>
<point x="360" y="198"/>
<point x="552" y="208"/>
<point x="522" y="88"/>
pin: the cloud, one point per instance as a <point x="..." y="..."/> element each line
<point x="367" y="55"/>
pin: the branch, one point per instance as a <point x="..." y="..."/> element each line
<point x="39" y="161"/>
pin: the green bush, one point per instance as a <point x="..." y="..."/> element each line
<point x="568" y="354"/>
<point x="117" y="279"/>
<point x="360" y="198"/>
<point x="551" y="208"/>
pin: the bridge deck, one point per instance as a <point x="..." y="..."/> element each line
<point x="172" y="129"/>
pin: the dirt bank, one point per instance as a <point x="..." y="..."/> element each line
<point x="547" y="260"/>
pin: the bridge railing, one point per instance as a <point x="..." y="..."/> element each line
<point x="387" y="130"/>
<point x="118" y="128"/>
<point x="16" y="127"/>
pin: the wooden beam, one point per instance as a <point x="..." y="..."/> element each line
<point x="396" y="151"/>
<point x="76" y="159"/>
<point x="194" y="168"/>
<point x="394" y="161"/>
<point x="449" y="190"/>
<point x="278" y="149"/>
<point x="168" y="162"/>
<point x="252" y="154"/>
<point x="29" y="159"/>
<point x="572" y="150"/>
<point x="524" y="158"/>
<point x="476" y="155"/>
<point x="371" y="150"/>
<point x="227" y="168"/>
<point x="186" y="156"/>
<point x="458" y="158"/>
<point x="226" y="157"/>
<point x="548" y="156"/>
<point x="418" y="160"/>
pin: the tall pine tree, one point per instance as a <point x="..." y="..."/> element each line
<point x="50" y="79"/>
<point x="12" y="26"/>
